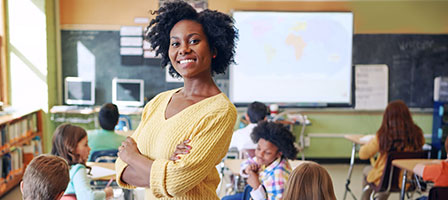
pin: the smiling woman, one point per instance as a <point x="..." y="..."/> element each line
<point x="198" y="116"/>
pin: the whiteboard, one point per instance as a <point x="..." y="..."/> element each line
<point x="292" y="57"/>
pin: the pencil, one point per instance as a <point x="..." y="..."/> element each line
<point x="110" y="181"/>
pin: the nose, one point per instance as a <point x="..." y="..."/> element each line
<point x="184" y="49"/>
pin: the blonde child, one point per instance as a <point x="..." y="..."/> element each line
<point x="309" y="181"/>
<point x="70" y="143"/>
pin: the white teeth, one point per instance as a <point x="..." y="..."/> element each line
<point x="186" y="61"/>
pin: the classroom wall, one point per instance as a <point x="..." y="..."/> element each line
<point x="370" y="16"/>
<point x="417" y="17"/>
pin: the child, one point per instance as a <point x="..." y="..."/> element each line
<point x="437" y="173"/>
<point x="46" y="177"/>
<point x="268" y="172"/>
<point x="70" y="142"/>
<point x="397" y="133"/>
<point x="309" y="181"/>
<point x="105" y="138"/>
<point x="256" y="112"/>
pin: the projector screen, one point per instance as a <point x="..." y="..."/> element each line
<point x="292" y="58"/>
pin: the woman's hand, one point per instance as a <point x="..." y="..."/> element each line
<point x="181" y="148"/>
<point x="128" y="150"/>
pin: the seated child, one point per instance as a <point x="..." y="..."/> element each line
<point x="256" y="112"/>
<point x="70" y="142"/>
<point x="309" y="180"/>
<point x="105" y="138"/>
<point x="398" y="133"/>
<point x="46" y="177"/>
<point x="268" y="172"/>
<point x="437" y="173"/>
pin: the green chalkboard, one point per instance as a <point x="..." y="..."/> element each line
<point x="413" y="60"/>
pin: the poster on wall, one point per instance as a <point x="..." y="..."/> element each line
<point x="199" y="5"/>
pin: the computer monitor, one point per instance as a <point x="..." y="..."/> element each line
<point x="79" y="91"/>
<point x="127" y="92"/>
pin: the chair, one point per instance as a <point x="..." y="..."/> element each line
<point x="124" y="123"/>
<point x="438" y="193"/>
<point x="389" y="182"/>
<point x="104" y="156"/>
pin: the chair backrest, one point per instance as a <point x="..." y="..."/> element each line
<point x="124" y="123"/>
<point x="104" y="156"/>
<point x="391" y="174"/>
<point x="438" y="193"/>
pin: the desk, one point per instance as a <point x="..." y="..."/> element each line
<point x="105" y="165"/>
<point x="87" y="116"/>
<point x="408" y="165"/>
<point x="356" y="140"/>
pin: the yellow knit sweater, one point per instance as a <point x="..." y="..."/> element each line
<point x="208" y="123"/>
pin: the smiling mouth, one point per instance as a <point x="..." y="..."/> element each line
<point x="186" y="61"/>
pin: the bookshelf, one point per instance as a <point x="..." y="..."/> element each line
<point x="20" y="141"/>
<point x="439" y="129"/>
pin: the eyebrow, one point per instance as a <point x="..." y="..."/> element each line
<point x="189" y="35"/>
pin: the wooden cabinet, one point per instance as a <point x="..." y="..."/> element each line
<point x="20" y="141"/>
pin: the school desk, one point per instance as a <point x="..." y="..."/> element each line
<point x="408" y="165"/>
<point x="356" y="139"/>
<point x="110" y="166"/>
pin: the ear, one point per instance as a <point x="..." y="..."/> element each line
<point x="247" y="118"/>
<point x="279" y="154"/>
<point x="59" y="196"/>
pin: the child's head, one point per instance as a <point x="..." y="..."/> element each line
<point x="108" y="116"/>
<point x="398" y="131"/>
<point x="257" y="111"/>
<point x="309" y="181"/>
<point x="273" y="141"/>
<point x="70" y="142"/>
<point x="46" y="177"/>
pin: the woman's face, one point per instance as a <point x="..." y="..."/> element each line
<point x="266" y="152"/>
<point x="83" y="149"/>
<point x="189" y="50"/>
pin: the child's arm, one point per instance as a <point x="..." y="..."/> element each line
<point x="82" y="185"/>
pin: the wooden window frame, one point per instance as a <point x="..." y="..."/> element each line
<point x="3" y="57"/>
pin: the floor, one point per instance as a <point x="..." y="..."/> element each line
<point x="338" y="174"/>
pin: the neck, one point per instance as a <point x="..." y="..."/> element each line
<point x="200" y="87"/>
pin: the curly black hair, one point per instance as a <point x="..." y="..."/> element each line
<point x="218" y="27"/>
<point x="278" y="135"/>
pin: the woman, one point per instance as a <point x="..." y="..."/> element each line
<point x="194" y="46"/>
<point x="309" y="181"/>
<point x="398" y="132"/>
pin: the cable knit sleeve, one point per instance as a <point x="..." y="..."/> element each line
<point x="119" y="164"/>
<point x="209" y="141"/>
<point x="369" y="150"/>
